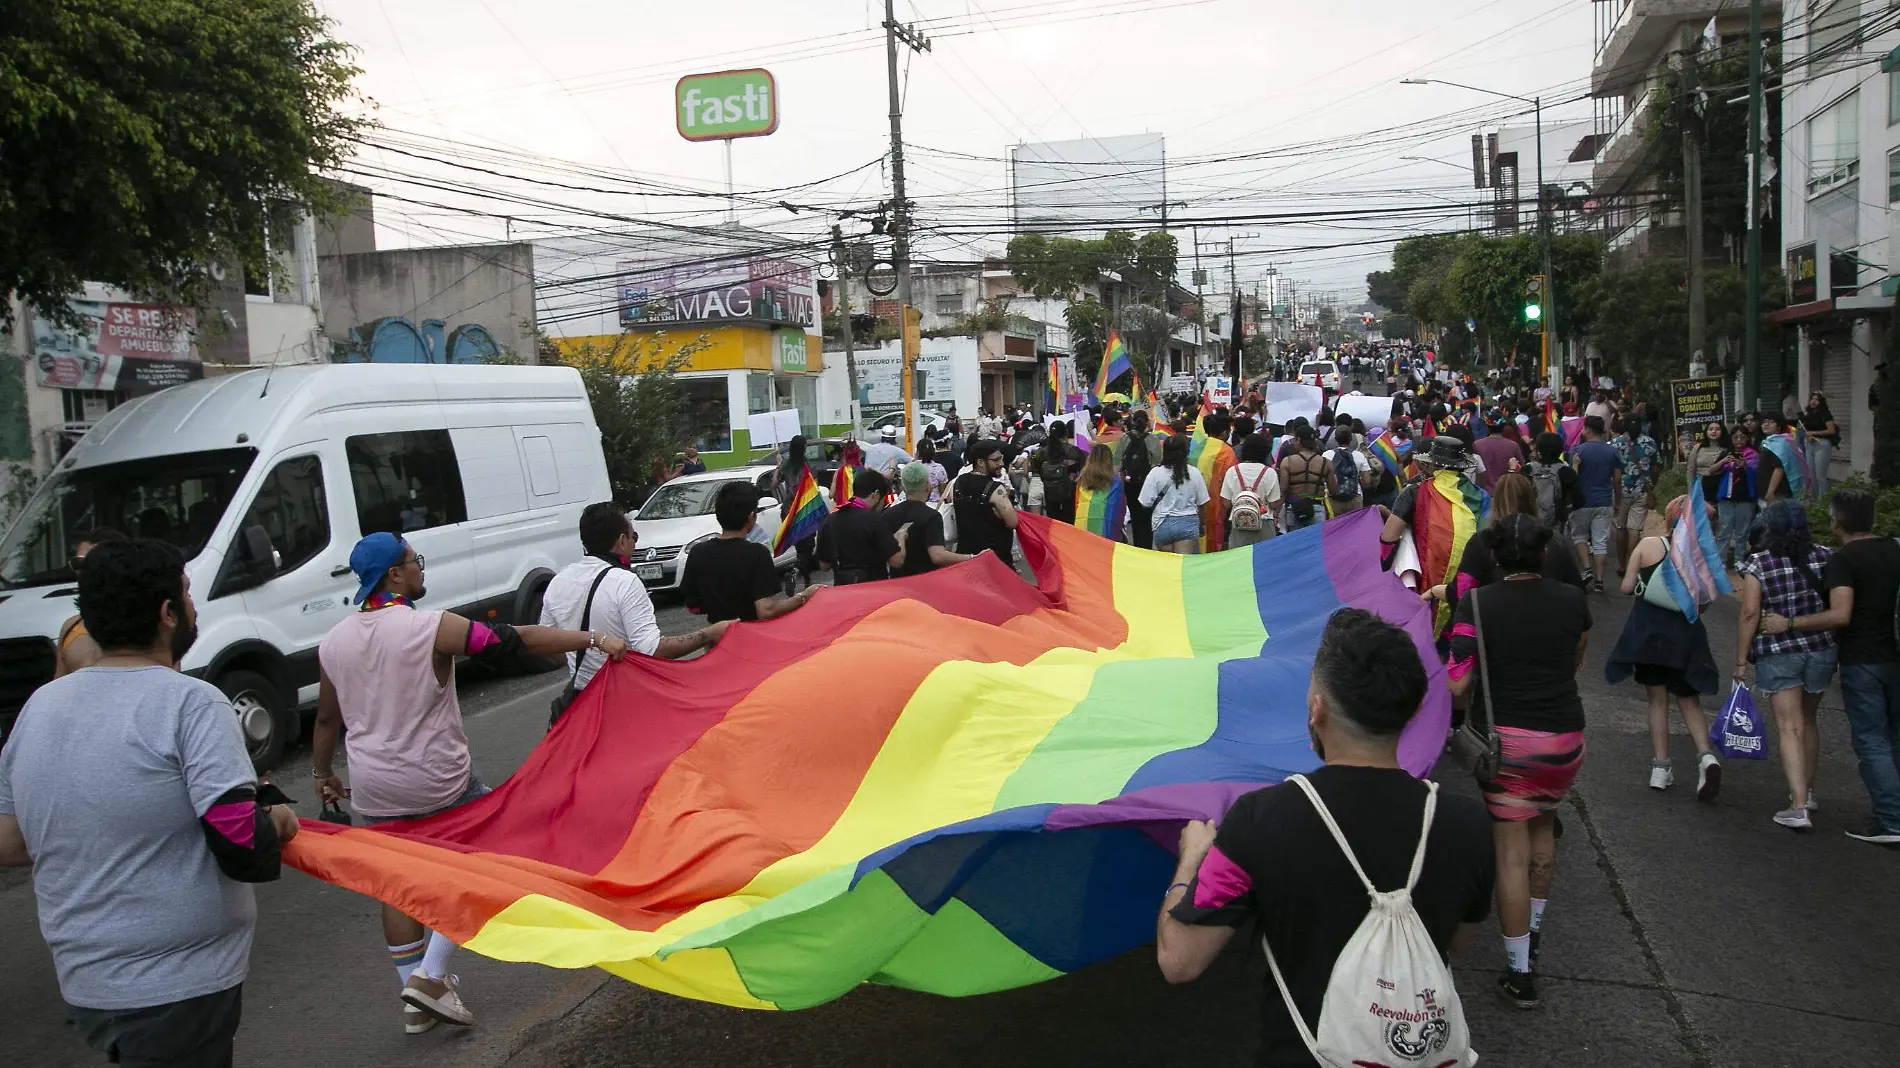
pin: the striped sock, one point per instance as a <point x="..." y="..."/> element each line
<point x="405" y="958"/>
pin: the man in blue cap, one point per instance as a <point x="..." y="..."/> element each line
<point x="387" y="674"/>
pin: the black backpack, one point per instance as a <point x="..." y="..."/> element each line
<point x="1136" y="463"/>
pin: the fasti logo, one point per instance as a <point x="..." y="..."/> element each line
<point x="732" y="103"/>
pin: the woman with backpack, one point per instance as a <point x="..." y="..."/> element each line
<point x="1792" y="667"/>
<point x="1669" y="657"/>
<point x="1306" y="478"/>
<point x="1176" y="492"/>
<point x="1347" y="472"/>
<point x="1252" y="492"/>
<point x="1521" y="641"/>
<point x="1554" y="481"/>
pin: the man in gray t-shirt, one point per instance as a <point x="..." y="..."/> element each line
<point x="127" y="787"/>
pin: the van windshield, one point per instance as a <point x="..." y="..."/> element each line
<point x="178" y="499"/>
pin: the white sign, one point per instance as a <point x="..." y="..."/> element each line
<point x="1179" y="384"/>
<point x="1220" y="390"/>
<point x="1287" y="401"/>
<point x="1375" y="412"/>
<point x="881" y="381"/>
<point x="772" y="428"/>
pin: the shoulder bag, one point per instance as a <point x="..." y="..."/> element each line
<point x="1476" y="750"/>
<point x="566" y="697"/>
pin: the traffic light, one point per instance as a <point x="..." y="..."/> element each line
<point x="1534" y="299"/>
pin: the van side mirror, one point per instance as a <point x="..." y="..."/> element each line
<point x="261" y="559"/>
<point x="767" y="502"/>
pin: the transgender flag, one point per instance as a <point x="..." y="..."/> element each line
<point x="1693" y="572"/>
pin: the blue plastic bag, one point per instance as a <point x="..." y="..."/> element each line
<point x="1736" y="734"/>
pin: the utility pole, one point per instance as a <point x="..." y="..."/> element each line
<point x="1751" y="332"/>
<point x="1692" y="195"/>
<point x="900" y="237"/>
<point x="843" y="263"/>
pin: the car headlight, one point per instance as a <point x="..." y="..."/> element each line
<point x="701" y="540"/>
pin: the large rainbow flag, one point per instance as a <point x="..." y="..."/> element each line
<point x="1101" y="511"/>
<point x="803" y="514"/>
<point x="993" y="807"/>
<point x="1214" y="458"/>
<point x="1115" y="363"/>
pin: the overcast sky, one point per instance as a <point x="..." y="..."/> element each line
<point x="1310" y="90"/>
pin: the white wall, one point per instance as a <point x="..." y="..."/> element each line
<point x="283" y="333"/>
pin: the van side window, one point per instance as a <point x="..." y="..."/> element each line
<point x="405" y="481"/>
<point x="292" y="509"/>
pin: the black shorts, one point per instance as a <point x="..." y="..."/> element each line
<point x="194" y="1033"/>
<point x="1668" y="678"/>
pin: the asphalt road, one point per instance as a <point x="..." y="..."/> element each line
<point x="1678" y="934"/>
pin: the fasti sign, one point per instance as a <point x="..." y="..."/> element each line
<point x="727" y="104"/>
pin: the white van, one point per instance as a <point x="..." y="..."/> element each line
<point x="267" y="478"/>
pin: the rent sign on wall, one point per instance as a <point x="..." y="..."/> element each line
<point x="726" y="104"/>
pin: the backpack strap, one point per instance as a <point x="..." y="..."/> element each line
<point x="587" y="614"/>
<point x="1424" y="833"/>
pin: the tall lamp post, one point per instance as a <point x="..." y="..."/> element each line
<point x="1543" y="231"/>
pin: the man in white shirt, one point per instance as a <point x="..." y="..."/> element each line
<point x="884" y="456"/>
<point x="1600" y="407"/>
<point x="621" y="606"/>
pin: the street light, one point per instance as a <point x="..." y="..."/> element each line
<point x="1543" y="232"/>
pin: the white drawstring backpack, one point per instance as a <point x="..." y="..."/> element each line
<point x="1390" y="1002"/>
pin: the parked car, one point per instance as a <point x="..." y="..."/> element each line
<point x="1321" y="373"/>
<point x="821" y="455"/>
<point x="928" y="422"/>
<point x="266" y="479"/>
<point x="679" y="516"/>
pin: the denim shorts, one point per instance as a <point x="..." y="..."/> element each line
<point x="473" y="790"/>
<point x="1784" y="671"/>
<point x="1177" y="528"/>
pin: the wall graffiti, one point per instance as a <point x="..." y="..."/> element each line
<point x="394" y="339"/>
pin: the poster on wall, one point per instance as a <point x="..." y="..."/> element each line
<point x="138" y="348"/>
<point x="1694" y="404"/>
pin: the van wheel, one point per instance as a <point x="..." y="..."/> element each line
<point x="530" y="663"/>
<point x="262" y="717"/>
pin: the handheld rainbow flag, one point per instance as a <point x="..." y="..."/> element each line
<point x="1449" y="511"/>
<point x="1214" y="458"/>
<point x="1393" y="454"/>
<point x="841" y="483"/>
<point x="1101" y="511"/>
<point x="1055" y="389"/>
<point x="995" y="806"/>
<point x="1115" y="363"/>
<point x="803" y="514"/>
<point x="1552" y="421"/>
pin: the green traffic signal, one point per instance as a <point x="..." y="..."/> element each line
<point x="1533" y="312"/>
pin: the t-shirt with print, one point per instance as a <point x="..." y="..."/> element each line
<point x="1274" y="862"/>
<point x="1597" y="464"/>
<point x="1871" y="568"/>
<point x="1531" y="631"/>
<point x="108" y="771"/>
<point x="726" y="577"/>
<point x="1639" y="455"/>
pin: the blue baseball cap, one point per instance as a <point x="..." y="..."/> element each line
<point x="373" y="556"/>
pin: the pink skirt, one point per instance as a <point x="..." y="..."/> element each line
<point x="1534" y="774"/>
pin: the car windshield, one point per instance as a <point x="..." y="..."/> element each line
<point x="178" y="499"/>
<point x="677" y="500"/>
<point x="1316" y="369"/>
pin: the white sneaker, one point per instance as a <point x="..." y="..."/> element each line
<point x="1795" y="819"/>
<point x="1661" y="775"/>
<point x="438" y="998"/>
<point x="415" y="1021"/>
<point x="1812" y="805"/>
<point x="1708" y="777"/>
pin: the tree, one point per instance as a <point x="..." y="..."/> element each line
<point x="1385" y="289"/>
<point x="146" y="140"/>
<point x="1719" y="122"/>
<point x="638" y="403"/>
<point x="1088" y="334"/>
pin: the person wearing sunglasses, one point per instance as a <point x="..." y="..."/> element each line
<point x="75" y="647"/>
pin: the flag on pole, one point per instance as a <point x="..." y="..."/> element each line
<point x="1115" y="363"/>
<point x="804" y="513"/>
<point x="1055" y="390"/>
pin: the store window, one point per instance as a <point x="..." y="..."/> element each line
<point x="758" y="394"/>
<point x="709" y="413"/>
<point x="291" y="508"/>
<point x="406" y="481"/>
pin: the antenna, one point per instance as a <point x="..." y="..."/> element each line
<point x="271" y="367"/>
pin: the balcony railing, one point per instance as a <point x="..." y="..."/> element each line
<point x="1634" y="115"/>
<point x="1622" y="17"/>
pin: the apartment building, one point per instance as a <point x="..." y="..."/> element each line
<point x="1840" y="161"/>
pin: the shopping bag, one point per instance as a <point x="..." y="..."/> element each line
<point x="1736" y="734"/>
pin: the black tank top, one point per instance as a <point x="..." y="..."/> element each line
<point x="978" y="527"/>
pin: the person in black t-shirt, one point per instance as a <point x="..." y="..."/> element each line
<point x="854" y="543"/>
<point x="924" y="548"/>
<point x="1863" y="583"/>
<point x="731" y="576"/>
<point x="1057" y="465"/>
<point x="1273" y="862"/>
<point x="986" y="518"/>
<point x="1534" y="633"/>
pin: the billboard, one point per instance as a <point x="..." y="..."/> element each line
<point x="726" y="104"/>
<point x="1092" y="180"/>
<point x="139" y="348"/>
<point x="881" y="381"/>
<point x="757" y="290"/>
<point x="1694" y="404"/>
